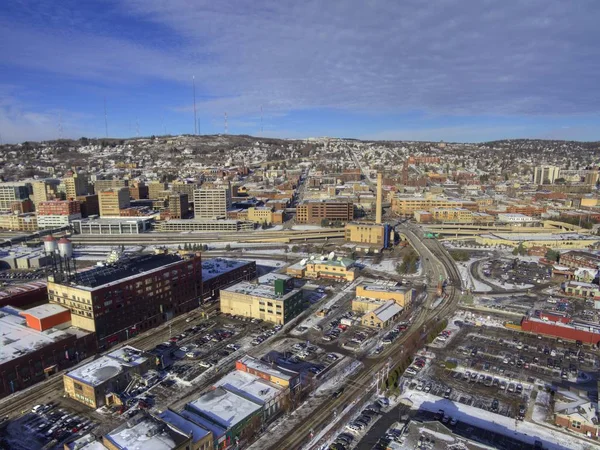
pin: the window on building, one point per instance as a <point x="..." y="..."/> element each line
<point x="576" y="424"/>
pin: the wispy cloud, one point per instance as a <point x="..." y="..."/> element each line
<point x="452" y="57"/>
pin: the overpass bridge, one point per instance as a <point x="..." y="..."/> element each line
<point x="461" y="229"/>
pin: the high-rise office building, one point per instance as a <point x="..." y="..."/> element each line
<point x="45" y="190"/>
<point x="212" y="203"/>
<point x="177" y="205"/>
<point x="74" y="185"/>
<point x="112" y="201"/>
<point x="156" y="190"/>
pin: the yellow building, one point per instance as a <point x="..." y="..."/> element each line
<point x="400" y="295"/>
<point x="94" y="383"/>
<point x="589" y="202"/>
<point x="44" y="190"/>
<point x="375" y="234"/>
<point x="260" y="215"/>
<point x="528" y="240"/>
<point x="271" y="303"/>
<point x="112" y="201"/>
<point x="406" y="206"/>
<point x="75" y="185"/>
<point x="383" y="316"/>
<point x="19" y="222"/>
<point x="335" y="268"/>
<point x="156" y="190"/>
<point x="457" y="215"/>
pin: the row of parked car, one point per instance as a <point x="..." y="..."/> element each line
<point x="50" y="423"/>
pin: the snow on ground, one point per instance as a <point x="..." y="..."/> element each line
<point x="387" y="265"/>
<point x="349" y="367"/>
<point x="528" y="432"/>
<point x="273" y="228"/>
<point x="307" y="227"/>
<point x="468" y="280"/>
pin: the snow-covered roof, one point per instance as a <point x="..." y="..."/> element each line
<point x="223" y="407"/>
<point x="17" y="340"/>
<point x="217" y="266"/>
<point x="147" y="434"/>
<point x="249" y="386"/>
<point x="44" y="311"/>
<point x="388" y="310"/>
<point x="185" y="425"/>
<point x="108" y="366"/>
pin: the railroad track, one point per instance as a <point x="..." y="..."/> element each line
<point x="358" y="386"/>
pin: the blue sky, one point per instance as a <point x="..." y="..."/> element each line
<point x="455" y="70"/>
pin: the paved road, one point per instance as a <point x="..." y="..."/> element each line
<point x="441" y="266"/>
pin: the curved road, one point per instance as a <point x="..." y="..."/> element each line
<point x="359" y="387"/>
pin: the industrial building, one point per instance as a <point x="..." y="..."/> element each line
<point x="232" y="226"/>
<point x="564" y="328"/>
<point x="112" y="201"/>
<point x="101" y="381"/>
<point x="95" y="225"/>
<point x="273" y="303"/>
<point x="406" y="206"/>
<point x="212" y="203"/>
<point x="24" y="295"/>
<point x="319" y="211"/>
<point x="131" y="295"/>
<point x="373" y="235"/>
<point x="331" y="267"/>
<point x="36" y="343"/>
<point x="219" y="273"/>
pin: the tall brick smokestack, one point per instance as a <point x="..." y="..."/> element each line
<point x="379" y="204"/>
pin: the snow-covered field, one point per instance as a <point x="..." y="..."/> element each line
<point x="468" y="280"/>
<point x="528" y="432"/>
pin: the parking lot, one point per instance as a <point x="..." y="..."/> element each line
<point x="497" y="369"/>
<point x="45" y="424"/>
<point x="515" y="272"/>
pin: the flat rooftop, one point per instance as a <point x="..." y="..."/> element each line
<point x="212" y="268"/>
<point x="258" y="290"/>
<point x="126" y="267"/>
<point x="147" y="434"/>
<point x="270" y="278"/>
<point x="17" y="340"/>
<point x="183" y="424"/>
<point x="518" y="237"/>
<point x="112" y="220"/>
<point x="223" y="407"/>
<point x="258" y="365"/>
<point x="108" y="366"/>
<point x="249" y="386"/>
<point x="22" y="289"/>
<point x="45" y="311"/>
<point x="385" y="288"/>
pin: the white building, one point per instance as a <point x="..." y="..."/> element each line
<point x="545" y="174"/>
<point x="515" y="218"/>
<point x="56" y="220"/>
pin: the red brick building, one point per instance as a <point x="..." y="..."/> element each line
<point x="59" y="208"/>
<point x="314" y="212"/>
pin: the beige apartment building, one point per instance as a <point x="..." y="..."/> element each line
<point x="212" y="203"/>
<point x="113" y="200"/>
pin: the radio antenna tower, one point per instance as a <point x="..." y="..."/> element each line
<point x="60" y="126"/>
<point x="105" y="119"/>
<point x="199" y="128"/>
<point x="137" y="127"/>
<point x="261" y="119"/>
<point x="226" y="125"/>
<point x="195" y="120"/>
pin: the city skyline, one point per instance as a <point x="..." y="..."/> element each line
<point x="449" y="71"/>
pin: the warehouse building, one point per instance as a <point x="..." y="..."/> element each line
<point x="36" y="343"/>
<point x="219" y="273"/>
<point x="273" y="303"/>
<point x="131" y="295"/>
<point x="101" y="381"/>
